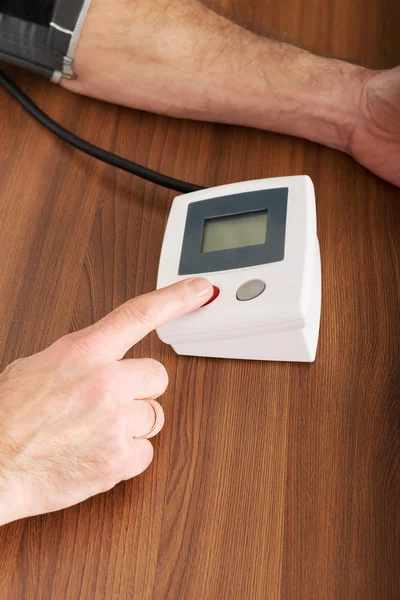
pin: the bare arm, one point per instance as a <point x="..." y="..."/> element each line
<point x="181" y="59"/>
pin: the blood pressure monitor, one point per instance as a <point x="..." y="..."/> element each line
<point x="256" y="242"/>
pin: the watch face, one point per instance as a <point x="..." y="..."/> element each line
<point x="232" y="232"/>
<point x="33" y="11"/>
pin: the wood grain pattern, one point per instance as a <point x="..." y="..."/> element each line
<point x="270" y="481"/>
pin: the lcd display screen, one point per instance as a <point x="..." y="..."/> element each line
<point x="235" y="231"/>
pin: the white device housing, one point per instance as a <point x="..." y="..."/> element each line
<point x="282" y="324"/>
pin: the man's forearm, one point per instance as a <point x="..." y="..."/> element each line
<point x="179" y="58"/>
<point x="276" y="87"/>
<point x="187" y="61"/>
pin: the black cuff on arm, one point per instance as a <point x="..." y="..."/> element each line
<point x="33" y="11"/>
<point x="42" y="35"/>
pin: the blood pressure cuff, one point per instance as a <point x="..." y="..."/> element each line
<point x="42" y="35"/>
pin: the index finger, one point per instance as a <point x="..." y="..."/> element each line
<point x="117" y="332"/>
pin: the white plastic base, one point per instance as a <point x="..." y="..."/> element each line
<point x="297" y="345"/>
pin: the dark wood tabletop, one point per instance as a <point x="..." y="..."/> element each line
<point x="270" y="481"/>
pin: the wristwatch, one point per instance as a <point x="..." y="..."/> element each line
<point x="42" y="35"/>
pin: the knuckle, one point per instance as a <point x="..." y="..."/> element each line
<point x="114" y="446"/>
<point x="100" y="393"/>
<point x="120" y="465"/>
<point x="157" y="372"/>
<point x="163" y="379"/>
<point x="107" y="384"/>
<point x="182" y="298"/>
<point x="104" y="384"/>
<point x="14" y="367"/>
<point x="142" y="311"/>
<point x="72" y="343"/>
<point x="112" y="471"/>
<point x="13" y="373"/>
<point x="143" y="456"/>
<point x="116" y="422"/>
<point x="115" y="463"/>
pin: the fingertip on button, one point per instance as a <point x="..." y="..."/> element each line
<point x="213" y="297"/>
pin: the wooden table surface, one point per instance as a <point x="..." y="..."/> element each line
<point x="269" y="480"/>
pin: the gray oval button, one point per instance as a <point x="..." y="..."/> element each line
<point x="250" y="290"/>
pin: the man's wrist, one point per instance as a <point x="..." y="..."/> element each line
<point x="306" y="96"/>
<point x="329" y="101"/>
